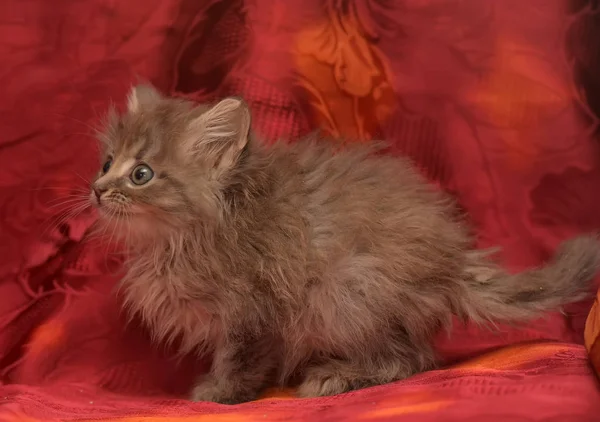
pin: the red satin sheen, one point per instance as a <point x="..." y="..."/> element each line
<point x="487" y="97"/>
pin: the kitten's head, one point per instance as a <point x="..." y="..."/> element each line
<point x="165" y="162"/>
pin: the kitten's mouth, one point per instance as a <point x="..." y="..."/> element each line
<point x="121" y="212"/>
<point x="110" y="209"/>
<point x="113" y="212"/>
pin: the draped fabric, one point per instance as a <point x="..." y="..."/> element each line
<point x="496" y="101"/>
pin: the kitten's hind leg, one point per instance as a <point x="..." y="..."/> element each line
<point x="339" y="376"/>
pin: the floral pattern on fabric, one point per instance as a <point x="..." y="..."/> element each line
<point x="497" y="102"/>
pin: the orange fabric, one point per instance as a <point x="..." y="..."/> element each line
<point x="413" y="398"/>
<point x="592" y="334"/>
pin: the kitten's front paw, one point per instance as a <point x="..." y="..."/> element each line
<point x="219" y="392"/>
<point x="318" y="383"/>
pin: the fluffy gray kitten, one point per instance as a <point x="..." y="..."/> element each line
<point x="334" y="265"/>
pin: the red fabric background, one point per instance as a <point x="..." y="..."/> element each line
<point x="496" y="101"/>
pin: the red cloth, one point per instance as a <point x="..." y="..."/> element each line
<point x="484" y="95"/>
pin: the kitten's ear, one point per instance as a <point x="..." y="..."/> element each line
<point x="221" y="133"/>
<point x="141" y="96"/>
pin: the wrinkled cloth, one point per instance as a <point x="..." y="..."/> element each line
<point x="497" y="102"/>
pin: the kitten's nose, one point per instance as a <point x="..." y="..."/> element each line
<point x="98" y="192"/>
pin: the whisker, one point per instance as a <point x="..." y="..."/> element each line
<point x="65" y="206"/>
<point x="59" y="215"/>
<point x="72" y="188"/>
<point x="61" y="218"/>
<point x="87" y="125"/>
<point x="128" y="229"/>
<point x="68" y="200"/>
<point x="86" y="181"/>
<point x="113" y="217"/>
<point x="73" y="195"/>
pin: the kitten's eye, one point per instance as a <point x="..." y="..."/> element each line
<point x="106" y="165"/>
<point x="142" y="174"/>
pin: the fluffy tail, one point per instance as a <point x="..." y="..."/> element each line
<point x="494" y="295"/>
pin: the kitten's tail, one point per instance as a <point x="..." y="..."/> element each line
<point x="494" y="295"/>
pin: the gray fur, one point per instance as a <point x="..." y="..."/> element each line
<point x="300" y="259"/>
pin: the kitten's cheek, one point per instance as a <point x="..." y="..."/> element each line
<point x="167" y="203"/>
<point x="137" y="210"/>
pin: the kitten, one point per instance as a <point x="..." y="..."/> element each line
<point x="303" y="259"/>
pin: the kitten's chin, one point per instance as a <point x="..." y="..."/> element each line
<point x="121" y="215"/>
<point x="143" y="228"/>
<point x="137" y="225"/>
